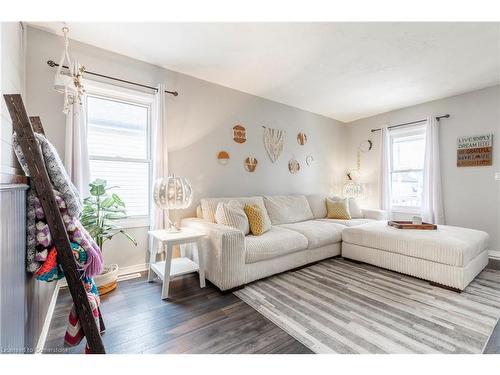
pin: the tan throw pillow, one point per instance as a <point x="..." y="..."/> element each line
<point x="258" y="220"/>
<point x="232" y="215"/>
<point x="354" y="210"/>
<point x="338" y="209"/>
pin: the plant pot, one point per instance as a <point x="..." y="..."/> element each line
<point x="106" y="281"/>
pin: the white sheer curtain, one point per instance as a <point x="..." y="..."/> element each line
<point x="432" y="203"/>
<point x="76" y="155"/>
<point x="385" y="172"/>
<point x="159" y="217"/>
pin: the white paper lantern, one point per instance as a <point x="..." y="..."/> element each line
<point x="172" y="192"/>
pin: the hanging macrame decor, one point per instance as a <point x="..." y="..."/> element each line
<point x="274" y="140"/>
<point x="69" y="81"/>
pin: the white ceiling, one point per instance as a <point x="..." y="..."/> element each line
<point x="345" y="71"/>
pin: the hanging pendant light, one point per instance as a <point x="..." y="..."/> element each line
<point x="69" y="81"/>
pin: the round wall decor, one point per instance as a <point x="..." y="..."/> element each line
<point x="301" y="139"/>
<point x="293" y="166"/>
<point x="239" y="134"/>
<point x="309" y="160"/>
<point x="250" y="164"/>
<point x="365" y="146"/>
<point x="223" y="157"/>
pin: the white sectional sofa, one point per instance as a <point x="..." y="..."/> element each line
<point x="300" y="234"/>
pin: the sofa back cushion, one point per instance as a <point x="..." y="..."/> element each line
<point x="317" y="203"/>
<point x="285" y="209"/>
<point x="209" y="205"/>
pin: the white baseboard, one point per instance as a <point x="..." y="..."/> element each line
<point x="122" y="271"/>
<point x="48" y="318"/>
<point x="494" y="254"/>
<point x="132" y="269"/>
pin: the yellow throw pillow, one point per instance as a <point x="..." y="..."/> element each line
<point x="338" y="209"/>
<point x="256" y="219"/>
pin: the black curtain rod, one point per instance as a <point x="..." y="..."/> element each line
<point x="52" y="64"/>
<point x="410" y="123"/>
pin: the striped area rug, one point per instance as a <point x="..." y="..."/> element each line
<point x="338" y="306"/>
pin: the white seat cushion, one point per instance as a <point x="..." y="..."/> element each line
<point x="318" y="232"/>
<point x="284" y="209"/>
<point x="273" y="243"/>
<point x="448" y="245"/>
<point x="349" y="223"/>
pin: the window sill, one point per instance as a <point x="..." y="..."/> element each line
<point x="406" y="210"/>
<point x="133" y="222"/>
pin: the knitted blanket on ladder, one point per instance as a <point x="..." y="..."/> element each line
<point x="42" y="254"/>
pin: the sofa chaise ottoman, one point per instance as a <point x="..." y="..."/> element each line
<point x="449" y="256"/>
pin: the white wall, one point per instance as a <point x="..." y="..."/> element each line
<point x="200" y="122"/>
<point x="12" y="81"/>
<point x="471" y="195"/>
<point x="31" y="305"/>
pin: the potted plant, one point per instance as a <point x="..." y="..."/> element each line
<point x="101" y="211"/>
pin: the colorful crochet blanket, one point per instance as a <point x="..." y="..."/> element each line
<point x="87" y="255"/>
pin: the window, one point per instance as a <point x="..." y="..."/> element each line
<point x="407" y="167"/>
<point x="118" y="123"/>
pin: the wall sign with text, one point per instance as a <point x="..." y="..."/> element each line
<point x="475" y="151"/>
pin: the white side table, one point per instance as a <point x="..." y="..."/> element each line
<point x="170" y="268"/>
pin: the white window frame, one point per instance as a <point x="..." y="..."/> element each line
<point x="124" y="95"/>
<point x="398" y="133"/>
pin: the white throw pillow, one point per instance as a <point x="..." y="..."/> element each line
<point x="318" y="205"/>
<point x="354" y="209"/>
<point x="232" y="215"/>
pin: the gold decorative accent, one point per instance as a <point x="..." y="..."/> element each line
<point x="293" y="166"/>
<point x="250" y="164"/>
<point x="239" y="134"/>
<point x="301" y="138"/>
<point x="223" y="157"/>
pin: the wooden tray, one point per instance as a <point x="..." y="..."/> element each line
<point x="410" y="225"/>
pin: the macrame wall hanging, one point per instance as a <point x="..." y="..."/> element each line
<point x="274" y="140"/>
<point x="69" y="81"/>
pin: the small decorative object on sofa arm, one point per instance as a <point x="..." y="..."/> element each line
<point x="171" y="193"/>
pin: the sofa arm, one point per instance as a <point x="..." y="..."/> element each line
<point x="374" y="214"/>
<point x="224" y="252"/>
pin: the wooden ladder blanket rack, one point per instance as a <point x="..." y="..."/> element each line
<point x="43" y="187"/>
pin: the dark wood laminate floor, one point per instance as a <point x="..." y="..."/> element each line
<point x="194" y="321"/>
